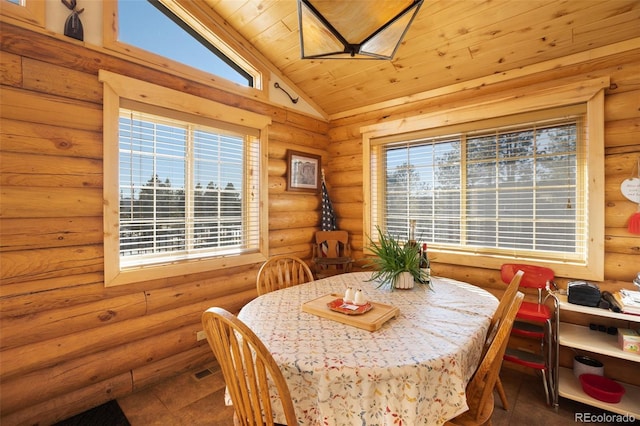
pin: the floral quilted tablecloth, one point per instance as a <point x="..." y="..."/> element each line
<point x="412" y="371"/>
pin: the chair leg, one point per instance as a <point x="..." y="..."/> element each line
<point x="503" y="396"/>
<point x="547" y="373"/>
<point x="545" y="382"/>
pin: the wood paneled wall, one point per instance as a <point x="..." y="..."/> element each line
<point x="67" y="343"/>
<point x="622" y="150"/>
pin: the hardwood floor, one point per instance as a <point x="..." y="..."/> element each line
<point x="189" y="400"/>
<point x="183" y="400"/>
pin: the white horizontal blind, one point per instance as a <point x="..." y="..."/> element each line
<point x="186" y="190"/>
<point x="423" y="184"/>
<point x="510" y="190"/>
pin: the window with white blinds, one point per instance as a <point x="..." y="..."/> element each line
<point x="187" y="190"/>
<point x="185" y="183"/>
<point x="514" y="190"/>
<point x="515" y="178"/>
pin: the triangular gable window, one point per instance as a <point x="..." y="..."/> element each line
<point x="157" y="27"/>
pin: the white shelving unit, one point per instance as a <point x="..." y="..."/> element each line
<point x="580" y="337"/>
<point x="571" y="388"/>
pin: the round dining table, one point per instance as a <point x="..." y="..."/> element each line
<point x="412" y="370"/>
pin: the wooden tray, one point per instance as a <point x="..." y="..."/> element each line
<point x="371" y="320"/>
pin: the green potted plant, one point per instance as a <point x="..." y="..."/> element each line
<point x="396" y="264"/>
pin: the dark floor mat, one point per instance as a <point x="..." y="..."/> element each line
<point x="108" y="414"/>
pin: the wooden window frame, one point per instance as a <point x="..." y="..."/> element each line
<point x="202" y="22"/>
<point x="31" y="11"/>
<point x="119" y="90"/>
<point x="590" y="93"/>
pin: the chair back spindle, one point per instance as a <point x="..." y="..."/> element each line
<point x="507" y="299"/>
<point x="480" y="388"/>
<point x="331" y="253"/>
<point x="281" y="272"/>
<point x="247" y="367"/>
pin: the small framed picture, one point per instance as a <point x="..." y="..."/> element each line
<point x="303" y="171"/>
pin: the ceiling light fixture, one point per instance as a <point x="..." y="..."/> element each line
<point x="355" y="29"/>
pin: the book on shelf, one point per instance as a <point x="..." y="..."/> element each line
<point x="629" y="301"/>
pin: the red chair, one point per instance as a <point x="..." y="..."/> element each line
<point x="535" y="321"/>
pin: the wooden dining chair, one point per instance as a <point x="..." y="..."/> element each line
<point x="507" y="299"/>
<point x="281" y="272"/>
<point x="331" y="253"/>
<point x="247" y="367"/>
<point x="480" y="388"/>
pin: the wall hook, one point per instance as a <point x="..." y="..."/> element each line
<point x="277" y="86"/>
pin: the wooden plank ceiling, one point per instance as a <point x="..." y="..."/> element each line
<point x="450" y="41"/>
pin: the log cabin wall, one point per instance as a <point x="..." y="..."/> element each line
<point x="67" y="343"/>
<point x="622" y="150"/>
